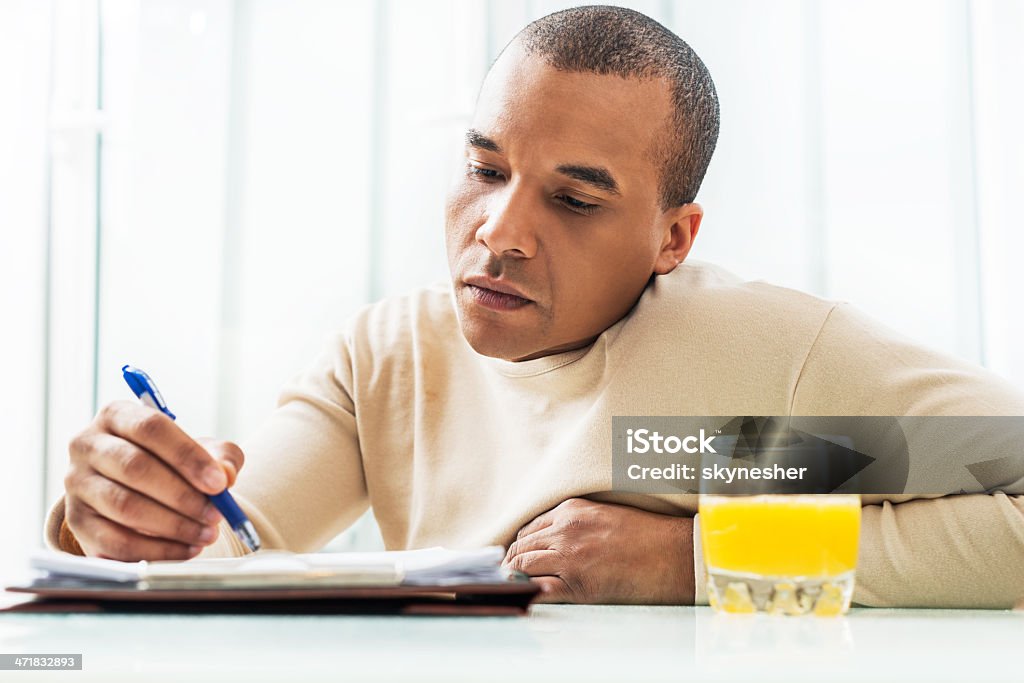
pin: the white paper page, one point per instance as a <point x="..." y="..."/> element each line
<point x="86" y="567"/>
<point x="424" y="566"/>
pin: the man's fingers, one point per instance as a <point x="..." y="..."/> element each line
<point x="542" y="539"/>
<point x="539" y="563"/>
<point x="545" y="567"/>
<point x="541" y="521"/>
<point x="552" y="589"/>
<point x="568" y="510"/>
<point x="155" y="432"/>
<point x="132" y="510"/>
<point x="142" y="471"/>
<point x="116" y="542"/>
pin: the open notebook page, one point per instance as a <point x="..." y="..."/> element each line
<point x="271" y="568"/>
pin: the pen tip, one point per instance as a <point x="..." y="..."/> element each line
<point x="247" y="533"/>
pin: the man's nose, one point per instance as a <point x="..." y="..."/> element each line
<point x="508" y="230"/>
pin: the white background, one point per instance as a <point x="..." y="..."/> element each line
<point x="206" y="188"/>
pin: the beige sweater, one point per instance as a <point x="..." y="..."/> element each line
<point x="453" y="448"/>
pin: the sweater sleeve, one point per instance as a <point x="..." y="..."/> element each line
<point x="957" y="551"/>
<point x="920" y="551"/>
<point x="303" y="481"/>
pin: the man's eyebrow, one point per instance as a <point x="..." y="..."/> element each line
<point x="475" y="138"/>
<point x="592" y="175"/>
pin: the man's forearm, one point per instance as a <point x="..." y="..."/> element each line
<point x="958" y="551"/>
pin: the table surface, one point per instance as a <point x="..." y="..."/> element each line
<point x="553" y="643"/>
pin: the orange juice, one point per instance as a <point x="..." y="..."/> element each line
<point x="787" y="554"/>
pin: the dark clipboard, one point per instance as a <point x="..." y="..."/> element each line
<point x="509" y="598"/>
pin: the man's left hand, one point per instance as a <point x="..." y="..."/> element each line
<point x="587" y="552"/>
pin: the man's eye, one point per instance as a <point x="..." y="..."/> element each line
<point x="577" y="205"/>
<point x="481" y="172"/>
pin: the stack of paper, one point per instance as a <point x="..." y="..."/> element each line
<point x="280" y="569"/>
<point x="441" y="567"/>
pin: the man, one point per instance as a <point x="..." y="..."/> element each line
<point x="479" y="412"/>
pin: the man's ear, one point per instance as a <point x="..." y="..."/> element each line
<point x="681" y="225"/>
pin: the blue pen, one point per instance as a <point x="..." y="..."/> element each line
<point x="147" y="392"/>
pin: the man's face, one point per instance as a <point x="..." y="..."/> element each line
<point x="553" y="226"/>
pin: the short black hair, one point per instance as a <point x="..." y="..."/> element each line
<point x="604" y="39"/>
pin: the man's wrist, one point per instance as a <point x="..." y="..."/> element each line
<point x="684" y="541"/>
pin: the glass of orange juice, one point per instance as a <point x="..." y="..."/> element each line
<point x="780" y="553"/>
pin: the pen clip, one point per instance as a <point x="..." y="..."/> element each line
<point x="145" y="389"/>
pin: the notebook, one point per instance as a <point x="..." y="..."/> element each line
<point x="282" y="569"/>
<point x="436" y="581"/>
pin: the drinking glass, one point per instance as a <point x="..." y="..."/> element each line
<point x="788" y="554"/>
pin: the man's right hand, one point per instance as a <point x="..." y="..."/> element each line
<point x="137" y="486"/>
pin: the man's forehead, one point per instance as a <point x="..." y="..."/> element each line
<point x="519" y="74"/>
<point x="595" y="119"/>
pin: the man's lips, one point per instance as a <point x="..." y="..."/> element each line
<point x="501" y="286"/>
<point x="496" y="294"/>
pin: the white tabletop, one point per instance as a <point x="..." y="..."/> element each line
<point x="553" y="643"/>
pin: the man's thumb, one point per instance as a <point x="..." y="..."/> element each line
<point x="227" y="454"/>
